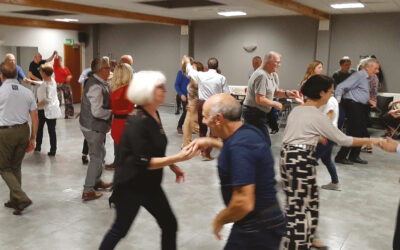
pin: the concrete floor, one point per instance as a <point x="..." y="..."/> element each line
<point x="360" y="217"/>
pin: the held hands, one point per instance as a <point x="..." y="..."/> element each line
<point x="183" y="98"/>
<point x="187" y="153"/>
<point x="185" y="59"/>
<point x="204" y="143"/>
<point x="372" y="103"/>
<point x="388" y="144"/>
<point x="278" y="106"/>
<point x="323" y="140"/>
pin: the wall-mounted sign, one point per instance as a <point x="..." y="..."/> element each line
<point x="69" y="41"/>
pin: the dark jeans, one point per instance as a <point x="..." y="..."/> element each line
<point x="183" y="116"/>
<point x="396" y="239"/>
<point x="85" y="149"/>
<point x="178" y="103"/>
<point x="257" y="118"/>
<point x="342" y="116"/>
<point x="325" y="152"/>
<point x="272" y="121"/>
<point x="261" y="233"/>
<point x="357" y="122"/>
<point x="127" y="207"/>
<point x="51" y="128"/>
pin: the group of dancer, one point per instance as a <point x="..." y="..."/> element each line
<point x="245" y="163"/>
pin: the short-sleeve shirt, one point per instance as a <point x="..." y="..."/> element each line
<point x="35" y="68"/>
<point x="16" y="102"/>
<point x="261" y="83"/>
<point x="246" y="159"/>
<point x="332" y="105"/>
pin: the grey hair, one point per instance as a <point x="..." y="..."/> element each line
<point x="270" y="55"/>
<point x="227" y="110"/>
<point x="104" y="61"/>
<point x="368" y="62"/>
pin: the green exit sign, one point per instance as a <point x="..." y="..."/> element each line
<point x="69" y="41"/>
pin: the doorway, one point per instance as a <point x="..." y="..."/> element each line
<point x="73" y="61"/>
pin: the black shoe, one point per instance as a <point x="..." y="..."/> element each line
<point x="37" y="149"/>
<point x="85" y="160"/>
<point x="177" y="113"/>
<point x="358" y="160"/>
<point x="51" y="153"/>
<point x="343" y="161"/>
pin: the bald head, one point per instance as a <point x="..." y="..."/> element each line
<point x="10" y="58"/>
<point x="126" y="59"/>
<point x="225" y="105"/>
<point x="37" y="58"/>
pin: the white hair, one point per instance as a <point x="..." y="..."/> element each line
<point x="141" y="89"/>
<point x="271" y="55"/>
<point x="368" y="62"/>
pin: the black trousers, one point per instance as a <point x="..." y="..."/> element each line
<point x="183" y="116"/>
<point x="271" y="119"/>
<point x="51" y="128"/>
<point x="357" y="122"/>
<point x="396" y="239"/>
<point x="85" y="149"/>
<point x="128" y="204"/>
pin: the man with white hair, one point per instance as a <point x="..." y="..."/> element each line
<point x="263" y="86"/>
<point x="95" y="121"/>
<point x="246" y="172"/>
<point x="354" y="93"/>
<point x="127" y="59"/>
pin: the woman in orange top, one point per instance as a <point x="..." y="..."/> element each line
<point x="63" y="79"/>
<point x="120" y="105"/>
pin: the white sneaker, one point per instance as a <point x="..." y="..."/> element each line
<point x="331" y="186"/>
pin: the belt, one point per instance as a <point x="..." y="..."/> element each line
<point x="302" y="146"/>
<point x="14" y="126"/>
<point x="257" y="214"/>
<point x="117" y="116"/>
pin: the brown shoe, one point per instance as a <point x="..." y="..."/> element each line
<point x="87" y="196"/>
<point x="20" y="206"/>
<point x="110" y="167"/>
<point x="102" y="185"/>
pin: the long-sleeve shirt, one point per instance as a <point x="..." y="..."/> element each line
<point x="84" y="74"/>
<point x="181" y="83"/>
<point x="60" y="72"/>
<point x="355" y="88"/>
<point x="210" y="82"/>
<point x="306" y="124"/>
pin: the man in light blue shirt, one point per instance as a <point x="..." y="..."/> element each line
<point x="10" y="58"/>
<point x="354" y="93"/>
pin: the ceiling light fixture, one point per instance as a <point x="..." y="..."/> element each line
<point x="347" y="5"/>
<point x="232" y="13"/>
<point x="67" y="20"/>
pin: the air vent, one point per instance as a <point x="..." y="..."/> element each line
<point x="174" y="4"/>
<point x="42" y="12"/>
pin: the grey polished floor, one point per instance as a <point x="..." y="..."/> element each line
<point x="360" y="217"/>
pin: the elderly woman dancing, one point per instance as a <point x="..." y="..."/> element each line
<point x="304" y="127"/>
<point x="140" y="160"/>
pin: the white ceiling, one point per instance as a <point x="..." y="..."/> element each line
<point x="253" y="8"/>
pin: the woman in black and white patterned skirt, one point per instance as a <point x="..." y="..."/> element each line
<point x="304" y="127"/>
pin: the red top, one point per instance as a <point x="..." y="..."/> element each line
<point x="60" y="73"/>
<point x="120" y="105"/>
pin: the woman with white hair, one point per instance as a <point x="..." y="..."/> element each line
<point x="140" y="160"/>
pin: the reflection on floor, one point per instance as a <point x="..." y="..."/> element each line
<point x="360" y="217"/>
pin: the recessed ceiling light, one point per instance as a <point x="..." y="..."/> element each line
<point x="232" y="13"/>
<point x="66" y="20"/>
<point x="347" y="5"/>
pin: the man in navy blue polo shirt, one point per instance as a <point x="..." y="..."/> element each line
<point x="246" y="171"/>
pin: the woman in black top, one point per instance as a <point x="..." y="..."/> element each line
<point x="140" y="160"/>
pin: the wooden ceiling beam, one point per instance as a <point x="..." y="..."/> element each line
<point x="299" y="8"/>
<point x="93" y="10"/>
<point x="27" y="22"/>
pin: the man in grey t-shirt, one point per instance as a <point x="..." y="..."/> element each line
<point x="262" y="87"/>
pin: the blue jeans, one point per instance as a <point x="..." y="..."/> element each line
<point x="257" y="118"/>
<point x="260" y="233"/>
<point x="325" y="152"/>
